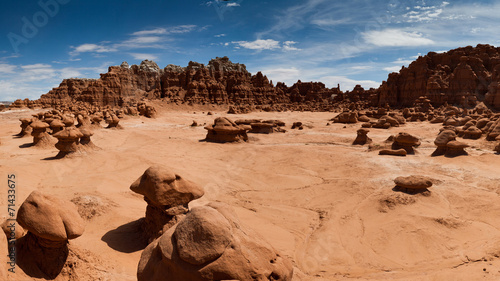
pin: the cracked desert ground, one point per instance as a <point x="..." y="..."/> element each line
<point x="325" y="204"/>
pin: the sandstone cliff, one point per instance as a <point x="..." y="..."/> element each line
<point x="461" y="76"/>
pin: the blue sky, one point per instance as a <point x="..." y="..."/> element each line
<point x="346" y="42"/>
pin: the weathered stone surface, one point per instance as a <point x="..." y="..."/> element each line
<point x="460" y="76"/>
<point x="212" y="244"/>
<point x="413" y="182"/>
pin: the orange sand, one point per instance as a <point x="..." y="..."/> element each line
<point x="325" y="204"/>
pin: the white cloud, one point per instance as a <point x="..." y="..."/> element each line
<point x="94" y="48"/>
<point x="155" y="31"/>
<point x="392" y="68"/>
<point x="142" y="40"/>
<point x="69" y="72"/>
<point x="395" y="38"/>
<point x="220" y="35"/>
<point x="347" y="84"/>
<point x="142" y="57"/>
<point x="233" y="4"/>
<point x="162" y="30"/>
<point x="268" y="44"/>
<point x="287" y="75"/>
<point x="328" y="22"/>
<point x="288" y="46"/>
<point x="7" y="68"/>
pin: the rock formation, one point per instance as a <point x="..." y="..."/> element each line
<point x="50" y="223"/>
<point x="461" y="76"/>
<point x="56" y="126"/>
<point x="405" y="141"/>
<point x="465" y="76"/>
<point x="225" y="130"/>
<point x="167" y="195"/>
<point x="362" y="137"/>
<point x="413" y="183"/>
<point x="455" y="148"/>
<point x="40" y="135"/>
<point x="26" y="129"/>
<point x="68" y="141"/>
<point x="212" y="244"/>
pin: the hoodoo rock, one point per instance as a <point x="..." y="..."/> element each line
<point x="225" y="130"/>
<point x="362" y="137"/>
<point x="212" y="244"/>
<point x="406" y="142"/>
<point x="442" y="140"/>
<point x="167" y="195"/>
<point x="40" y="135"/>
<point x="50" y="223"/>
<point x="455" y="148"/>
<point x="68" y="141"/>
<point x="56" y="126"/>
<point x="26" y="129"/>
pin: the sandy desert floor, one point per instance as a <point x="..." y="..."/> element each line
<point x="326" y="205"/>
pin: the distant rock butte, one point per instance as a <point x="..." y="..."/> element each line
<point x="463" y="76"/>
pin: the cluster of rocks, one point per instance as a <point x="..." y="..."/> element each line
<point x="448" y="145"/>
<point x="402" y="145"/>
<point x="219" y="82"/>
<point x="380" y="118"/>
<point x="203" y="243"/>
<point x="259" y="126"/>
<point x="55" y="128"/>
<point x="460" y="76"/>
<point x="225" y="130"/>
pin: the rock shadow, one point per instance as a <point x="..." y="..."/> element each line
<point x="127" y="238"/>
<point x="423" y="191"/>
<point x="26" y="145"/>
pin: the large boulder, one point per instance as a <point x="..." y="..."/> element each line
<point x="212" y="244"/>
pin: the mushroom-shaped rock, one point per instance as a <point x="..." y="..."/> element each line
<point x="85" y="139"/>
<point x="212" y="244"/>
<point x="96" y="121"/>
<point x="225" y="130"/>
<point x="441" y="140"/>
<point x="50" y="223"/>
<point x="83" y="121"/>
<point x="406" y="142"/>
<point x="472" y="133"/>
<point x="413" y="183"/>
<point x="113" y="122"/>
<point x="26" y="129"/>
<point x="68" y="141"/>
<point x="397" y="152"/>
<point x="68" y="121"/>
<point x="56" y="126"/>
<point x="362" y="137"/>
<point x="39" y="133"/>
<point x="455" y="148"/>
<point x="167" y="195"/>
